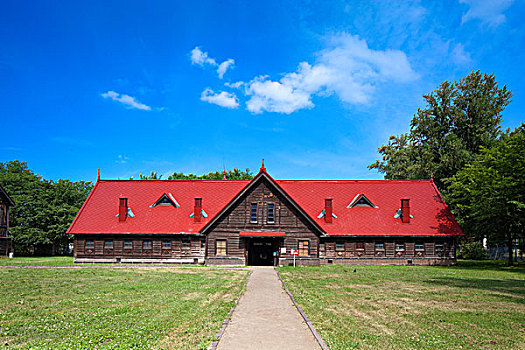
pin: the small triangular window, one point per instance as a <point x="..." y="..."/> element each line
<point x="166" y="199"/>
<point x="361" y="201"/>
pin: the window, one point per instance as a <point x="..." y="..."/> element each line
<point x="146" y="244"/>
<point x="108" y="244"/>
<point x="220" y="248"/>
<point x="203" y="244"/>
<point x="419" y="246"/>
<point x="186" y="244"/>
<point x="360" y="245"/>
<point x="380" y="246"/>
<point x="166" y="199"/>
<point x="400" y="246"/>
<point x="90" y="244"/>
<point x="271" y="213"/>
<point x="304" y="248"/>
<point x="253" y="217"/>
<point x="166" y="244"/>
<point x="439" y="247"/>
<point x="128" y="244"/>
<point x="340" y="246"/>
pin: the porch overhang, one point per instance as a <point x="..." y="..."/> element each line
<point x="262" y="234"/>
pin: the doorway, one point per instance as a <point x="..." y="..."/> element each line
<point x="261" y="252"/>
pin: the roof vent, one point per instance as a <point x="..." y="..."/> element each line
<point x="197" y="210"/>
<point x="328" y="210"/>
<point x="405" y="210"/>
<point x="166" y="199"/>
<point x="361" y="201"/>
<point x="123" y="209"/>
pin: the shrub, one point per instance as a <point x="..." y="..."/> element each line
<point x="473" y="251"/>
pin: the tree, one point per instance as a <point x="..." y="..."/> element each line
<point x="459" y="119"/>
<point x="235" y="174"/>
<point x="490" y="193"/>
<point x="44" y="209"/>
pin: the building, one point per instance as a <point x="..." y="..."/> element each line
<point x="6" y="241"/>
<point x="264" y="221"/>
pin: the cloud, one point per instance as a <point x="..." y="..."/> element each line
<point x="347" y="68"/>
<point x="121" y="159"/>
<point x="487" y="11"/>
<point x="223" y="99"/>
<point x="223" y="67"/>
<point x="200" y="58"/>
<point x="127" y="100"/>
<point x="460" y="56"/>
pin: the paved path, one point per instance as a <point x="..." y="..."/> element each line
<point x="265" y="318"/>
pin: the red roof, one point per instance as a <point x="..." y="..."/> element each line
<point x="431" y="216"/>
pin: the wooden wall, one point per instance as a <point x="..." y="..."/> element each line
<point x="181" y="247"/>
<point x="238" y="219"/>
<point x="4" y="210"/>
<point x="327" y="248"/>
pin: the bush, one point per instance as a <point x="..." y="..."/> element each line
<point x="473" y="251"/>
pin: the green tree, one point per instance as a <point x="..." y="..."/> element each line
<point x="458" y="120"/>
<point x="44" y="209"/>
<point x="490" y="193"/>
<point x="234" y="174"/>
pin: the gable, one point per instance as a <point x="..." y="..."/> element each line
<point x="5" y="197"/>
<point x="261" y="197"/>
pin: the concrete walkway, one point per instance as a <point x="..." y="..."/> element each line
<point x="265" y="318"/>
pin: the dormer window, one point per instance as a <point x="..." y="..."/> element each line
<point x="166" y="199"/>
<point x="361" y="201"/>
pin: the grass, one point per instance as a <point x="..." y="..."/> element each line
<point x="67" y="261"/>
<point x="38" y="261"/>
<point x="107" y="308"/>
<point x="477" y="305"/>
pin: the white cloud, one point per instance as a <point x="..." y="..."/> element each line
<point x="487" y="11"/>
<point x="201" y="58"/>
<point x="460" y="56"/>
<point x="223" y="98"/>
<point x="235" y="85"/>
<point x="347" y="67"/>
<point x="127" y="100"/>
<point x="121" y="159"/>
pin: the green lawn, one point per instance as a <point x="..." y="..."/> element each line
<point x="472" y="306"/>
<point x="125" y="308"/>
<point x="38" y="261"/>
<point x="66" y="261"/>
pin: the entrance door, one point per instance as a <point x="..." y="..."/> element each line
<point x="260" y="252"/>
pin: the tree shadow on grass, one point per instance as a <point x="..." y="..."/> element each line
<point x="492" y="265"/>
<point x="512" y="290"/>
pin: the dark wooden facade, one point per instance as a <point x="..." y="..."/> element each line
<point x="182" y="249"/>
<point x="6" y="242"/>
<point x="286" y="219"/>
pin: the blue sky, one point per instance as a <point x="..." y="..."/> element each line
<point x="313" y="87"/>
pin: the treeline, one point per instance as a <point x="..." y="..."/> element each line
<point x="235" y="174"/>
<point x="44" y="209"/>
<point x="479" y="168"/>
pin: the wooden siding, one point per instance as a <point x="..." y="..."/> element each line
<point x="328" y="248"/>
<point x="286" y="219"/>
<point x="176" y="251"/>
